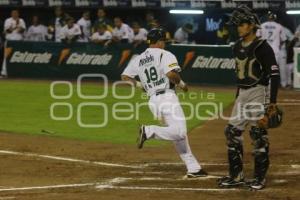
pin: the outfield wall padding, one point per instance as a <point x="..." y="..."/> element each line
<point x="199" y="63"/>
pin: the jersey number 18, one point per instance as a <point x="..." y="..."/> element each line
<point x="151" y="74"/>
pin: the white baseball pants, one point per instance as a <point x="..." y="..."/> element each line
<point x="167" y="108"/>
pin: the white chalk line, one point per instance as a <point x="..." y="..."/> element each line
<point x="288" y="104"/>
<point x="165" y="188"/>
<point x="290" y="100"/>
<point x="110" y="184"/>
<point x="295" y="166"/>
<point x="6" y="198"/>
<point x="143" y="172"/>
<point x="141" y="166"/>
<point x="68" y="159"/>
<point x="123" y="179"/>
<point x="48" y="187"/>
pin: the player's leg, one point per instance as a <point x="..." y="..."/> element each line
<point x="260" y="140"/>
<point x="193" y="167"/>
<point x="235" y="158"/>
<point x="290" y="68"/>
<point x="166" y="107"/>
<point x="234" y="141"/>
<point x="175" y="130"/>
<point x="283" y="69"/>
<point x="182" y="146"/>
<point x="4" y="69"/>
<point x="163" y="108"/>
<point x="261" y="156"/>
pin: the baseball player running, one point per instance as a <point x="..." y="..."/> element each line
<point x="158" y="70"/>
<point x="255" y="68"/>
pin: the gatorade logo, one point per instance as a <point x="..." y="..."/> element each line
<point x="27" y="57"/>
<point x="87" y="59"/>
<point x="213" y="63"/>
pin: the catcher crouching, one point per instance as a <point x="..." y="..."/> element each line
<point x="255" y="105"/>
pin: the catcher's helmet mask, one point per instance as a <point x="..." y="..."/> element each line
<point x="242" y="15"/>
<point x="155" y="35"/>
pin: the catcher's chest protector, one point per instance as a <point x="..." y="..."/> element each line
<point x="248" y="69"/>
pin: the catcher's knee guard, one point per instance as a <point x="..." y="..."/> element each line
<point x="235" y="151"/>
<point x="261" y="151"/>
<point x="260" y="139"/>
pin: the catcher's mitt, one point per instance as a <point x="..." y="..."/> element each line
<point x="272" y="117"/>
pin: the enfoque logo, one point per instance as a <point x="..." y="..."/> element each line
<point x="126" y="108"/>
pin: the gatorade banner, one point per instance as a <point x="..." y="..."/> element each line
<point x="200" y="64"/>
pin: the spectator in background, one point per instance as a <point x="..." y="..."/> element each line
<point x="149" y="20"/>
<point x="182" y="34"/>
<point x="102" y="36"/>
<point x="71" y="32"/>
<point x="57" y="23"/>
<point x="85" y="24"/>
<point x="223" y="35"/>
<point x="37" y="31"/>
<point x="122" y="32"/>
<point x="102" y="19"/>
<point x="140" y="34"/>
<point x="155" y="24"/>
<point x="14" y="27"/>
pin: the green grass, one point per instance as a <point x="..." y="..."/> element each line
<point x="25" y="108"/>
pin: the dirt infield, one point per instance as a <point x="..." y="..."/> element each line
<point x="45" y="167"/>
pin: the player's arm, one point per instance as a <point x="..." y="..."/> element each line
<point x="130" y="73"/>
<point x="77" y="34"/>
<point x="21" y="26"/>
<point x="172" y="69"/>
<point x="8" y="28"/>
<point x="266" y="57"/>
<point x="131" y="80"/>
<point x="175" y="78"/>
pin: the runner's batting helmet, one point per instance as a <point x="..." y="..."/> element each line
<point x="155" y="35"/>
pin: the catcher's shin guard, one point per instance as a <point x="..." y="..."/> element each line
<point x="235" y="151"/>
<point x="261" y="152"/>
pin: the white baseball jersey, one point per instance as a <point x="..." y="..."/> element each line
<point x="11" y="23"/>
<point x="86" y="29"/>
<point x="124" y="32"/>
<point x="105" y="36"/>
<point x="152" y="66"/>
<point x="289" y="37"/>
<point x="181" y="36"/>
<point x="69" y="33"/>
<point x="273" y="33"/>
<point x="141" y="35"/>
<point x="58" y="28"/>
<point x="37" y="33"/>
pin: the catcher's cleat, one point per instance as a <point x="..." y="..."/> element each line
<point x="200" y="173"/>
<point x="256" y="184"/>
<point x="228" y="181"/>
<point x="141" y="137"/>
